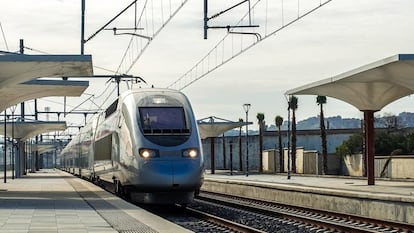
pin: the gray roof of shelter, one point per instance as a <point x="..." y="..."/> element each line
<point x="17" y="69"/>
<point x="27" y="129"/>
<point x="214" y="126"/>
<point x="370" y="87"/>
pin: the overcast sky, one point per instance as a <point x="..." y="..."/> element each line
<point x="343" y="35"/>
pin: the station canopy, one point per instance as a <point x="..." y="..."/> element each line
<point x="40" y="88"/>
<point x="27" y="129"/>
<point x="213" y="126"/>
<point x="370" y="87"/>
<point x="20" y="76"/>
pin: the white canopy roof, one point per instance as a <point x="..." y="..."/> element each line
<point x="370" y="87"/>
<point x="28" y="129"/>
<point x="214" y="126"/>
<point x="40" y="88"/>
<point x="17" y="69"/>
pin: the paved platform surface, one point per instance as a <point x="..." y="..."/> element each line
<point x="54" y="201"/>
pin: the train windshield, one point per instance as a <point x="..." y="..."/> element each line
<point x="162" y="118"/>
<point x="164" y="125"/>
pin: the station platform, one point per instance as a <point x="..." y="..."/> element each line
<point x="387" y="199"/>
<point x="55" y="201"/>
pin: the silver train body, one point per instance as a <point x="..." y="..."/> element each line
<point x="146" y="144"/>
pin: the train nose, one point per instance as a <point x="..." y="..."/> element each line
<point x="172" y="174"/>
<point x="185" y="174"/>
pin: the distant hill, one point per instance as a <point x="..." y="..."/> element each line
<point x="403" y="120"/>
<point x="336" y="122"/>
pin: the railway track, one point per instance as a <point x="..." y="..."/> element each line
<point x="212" y="212"/>
<point x="222" y="222"/>
<point x="203" y="216"/>
<point x="308" y="219"/>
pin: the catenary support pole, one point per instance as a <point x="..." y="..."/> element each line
<point x="5" y="147"/>
<point x="212" y="156"/>
<point x="83" y="27"/>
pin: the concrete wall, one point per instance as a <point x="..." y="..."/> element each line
<point x="354" y="165"/>
<point x="269" y="161"/>
<point x="270" y="142"/>
<point x="223" y="162"/>
<point x="312" y="162"/>
<point x="399" y="166"/>
<point x="299" y="160"/>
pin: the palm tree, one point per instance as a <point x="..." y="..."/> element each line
<point x="293" y="104"/>
<point x="279" y="122"/>
<point x="321" y="100"/>
<point x="240" y="147"/>
<point x="260" y="117"/>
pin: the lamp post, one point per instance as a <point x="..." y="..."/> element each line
<point x="5" y="146"/>
<point x="246" y="108"/>
<point x="288" y="144"/>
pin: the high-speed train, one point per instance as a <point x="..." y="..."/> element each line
<point x="146" y="144"/>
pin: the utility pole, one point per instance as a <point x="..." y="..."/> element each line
<point x="37" y="139"/>
<point x="83" y="27"/>
<point x="22" y="103"/>
<point x="5" y="147"/>
<point x="21" y="157"/>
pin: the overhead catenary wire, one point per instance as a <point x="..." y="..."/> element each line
<point x="36" y="50"/>
<point x="4" y="37"/>
<point x="182" y="82"/>
<point x="106" y="99"/>
<point x="153" y="27"/>
<point x="173" y="9"/>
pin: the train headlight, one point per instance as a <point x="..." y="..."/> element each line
<point x="148" y="153"/>
<point x="190" y="153"/>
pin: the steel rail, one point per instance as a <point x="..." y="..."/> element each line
<point x="221" y="221"/>
<point x="321" y="218"/>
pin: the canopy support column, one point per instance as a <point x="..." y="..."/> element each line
<point x="212" y="156"/>
<point x="370" y="145"/>
<point x="20" y="158"/>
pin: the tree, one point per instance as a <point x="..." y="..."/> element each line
<point x="279" y="122"/>
<point x="240" y="147"/>
<point x="410" y="143"/>
<point x="351" y="146"/>
<point x="321" y="100"/>
<point x="293" y="105"/>
<point x="387" y="142"/>
<point x="260" y="118"/>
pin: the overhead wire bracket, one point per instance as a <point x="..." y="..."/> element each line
<point x="128" y="33"/>
<point x="228" y="27"/>
<point x="134" y="2"/>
